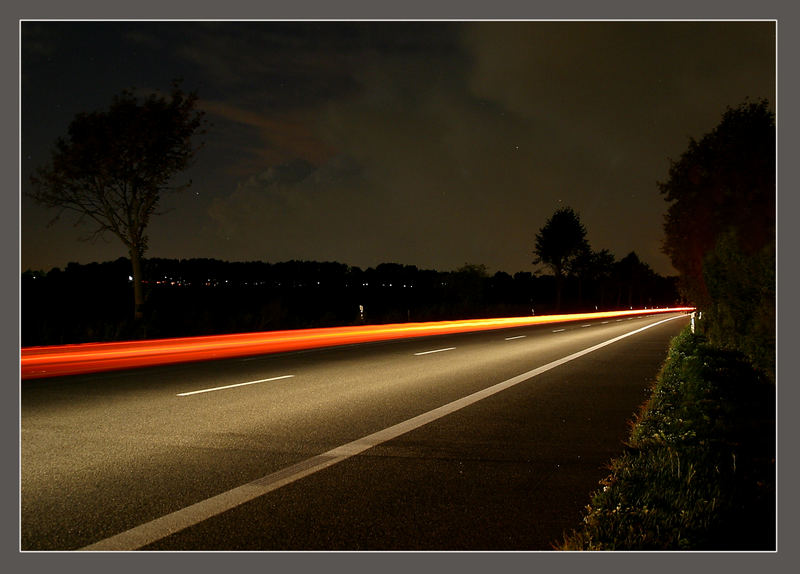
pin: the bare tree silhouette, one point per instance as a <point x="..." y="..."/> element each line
<point x="113" y="166"/>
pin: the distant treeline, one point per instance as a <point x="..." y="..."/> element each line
<point x="93" y="302"/>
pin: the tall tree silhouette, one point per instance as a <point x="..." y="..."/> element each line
<point x="559" y="243"/>
<point x="725" y="181"/>
<point x="720" y="230"/>
<point x="113" y="166"/>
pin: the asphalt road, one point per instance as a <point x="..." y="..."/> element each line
<point x="187" y="457"/>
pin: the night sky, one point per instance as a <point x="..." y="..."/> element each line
<point x="432" y="144"/>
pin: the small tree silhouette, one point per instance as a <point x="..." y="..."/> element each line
<point x="559" y="243"/>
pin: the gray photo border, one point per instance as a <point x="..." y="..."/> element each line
<point x="781" y="11"/>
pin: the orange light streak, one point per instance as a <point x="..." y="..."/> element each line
<point x="38" y="362"/>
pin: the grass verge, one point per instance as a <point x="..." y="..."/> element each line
<point x="698" y="472"/>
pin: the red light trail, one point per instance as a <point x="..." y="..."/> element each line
<point x="38" y="362"/>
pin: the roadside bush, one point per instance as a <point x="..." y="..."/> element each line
<point x="699" y="468"/>
<point x="741" y="287"/>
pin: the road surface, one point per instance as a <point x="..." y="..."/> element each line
<point x="481" y="441"/>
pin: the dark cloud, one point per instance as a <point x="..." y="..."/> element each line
<point x="425" y="143"/>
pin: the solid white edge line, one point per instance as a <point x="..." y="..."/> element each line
<point x="232" y="386"/>
<point x="168" y="524"/>
<point x="434" y="351"/>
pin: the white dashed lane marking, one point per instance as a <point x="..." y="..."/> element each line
<point x="435" y="351"/>
<point x="233" y="386"/>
